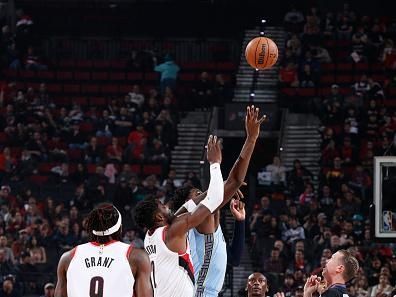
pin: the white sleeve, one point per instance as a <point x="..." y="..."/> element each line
<point x="215" y="193"/>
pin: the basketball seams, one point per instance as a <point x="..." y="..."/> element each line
<point x="255" y="51"/>
<point x="268" y="54"/>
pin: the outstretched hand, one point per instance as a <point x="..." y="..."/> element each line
<point x="311" y="285"/>
<point x="213" y="150"/>
<point x="237" y="208"/>
<point x="253" y="122"/>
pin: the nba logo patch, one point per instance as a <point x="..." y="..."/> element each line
<point x="387" y="220"/>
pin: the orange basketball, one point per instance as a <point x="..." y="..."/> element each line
<point x="261" y="53"/>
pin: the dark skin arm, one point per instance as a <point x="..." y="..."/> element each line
<point x="61" y="285"/>
<point x="238" y="171"/>
<point x="141" y="269"/>
<point x="176" y="237"/>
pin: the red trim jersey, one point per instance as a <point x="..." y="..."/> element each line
<point x="172" y="273"/>
<point x="100" y="270"/>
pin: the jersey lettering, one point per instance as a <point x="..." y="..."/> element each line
<point x="97" y="261"/>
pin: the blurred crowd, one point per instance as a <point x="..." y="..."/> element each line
<point x="303" y="219"/>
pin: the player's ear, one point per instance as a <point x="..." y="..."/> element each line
<point x="267" y="288"/>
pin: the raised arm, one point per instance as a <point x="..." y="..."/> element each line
<point x="141" y="269"/>
<point x="61" y="284"/>
<point x="237" y="208"/>
<point x="187" y="221"/>
<point x="238" y="172"/>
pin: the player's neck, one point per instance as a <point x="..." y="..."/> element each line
<point x="336" y="280"/>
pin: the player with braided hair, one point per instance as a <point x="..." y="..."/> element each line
<point x="104" y="266"/>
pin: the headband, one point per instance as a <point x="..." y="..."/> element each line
<point x="112" y="229"/>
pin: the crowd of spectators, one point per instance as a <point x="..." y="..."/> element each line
<point x="294" y="227"/>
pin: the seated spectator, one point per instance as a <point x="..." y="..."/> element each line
<point x="104" y="125"/>
<point x="8" y="289"/>
<point x="344" y="29"/>
<point x="388" y="56"/>
<point x="32" y="61"/>
<point x="299" y="262"/>
<point x="297" y="177"/>
<point x="278" y="172"/>
<point x="328" y="25"/>
<point x="294" y="45"/>
<point x="203" y="90"/>
<point x="76" y="138"/>
<point x="325" y="198"/>
<point x="311" y="30"/>
<point x="295" y="232"/>
<point x="122" y="123"/>
<point x="383" y="287"/>
<point x="329" y="152"/>
<point x="37" y="252"/>
<point x="274" y="263"/>
<point x="93" y="152"/>
<point x="359" y="41"/>
<point x="307" y="78"/>
<point x="61" y="173"/>
<point x="114" y="151"/>
<point x="36" y="147"/>
<point x="348" y="152"/>
<point x="293" y="18"/>
<point x="222" y="91"/>
<point x="8" y="253"/>
<point x="288" y="75"/>
<point x="320" y="54"/>
<point x="335" y="175"/>
<point x="308" y="195"/>
<point x="49" y="290"/>
<point x="288" y="287"/>
<point x="137" y="141"/>
<point x="136" y="98"/>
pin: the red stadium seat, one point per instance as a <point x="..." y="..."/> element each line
<point x="3" y="137"/>
<point x="46" y="75"/>
<point x="344" y="79"/>
<point x="152" y="169"/>
<point x="46" y="167"/>
<point x="124" y="89"/>
<point x="91" y="168"/>
<point x="135" y="168"/>
<point x="82" y="76"/>
<point x="67" y="64"/>
<point x="101" y="64"/>
<point x="327" y="79"/>
<point x="54" y="88"/>
<point x="27" y="74"/>
<point x="289" y="91"/>
<point x="100" y="76"/>
<point x="151" y="76"/>
<point x="103" y="141"/>
<point x="134" y="76"/>
<point x="71" y="88"/>
<point x="306" y="92"/>
<point x="97" y="101"/>
<point x="117" y="76"/>
<point x="327" y="67"/>
<point x="344" y="67"/>
<point x="64" y="75"/>
<point x="83" y="64"/>
<point x="89" y="88"/>
<point x="187" y="77"/>
<point x="38" y="179"/>
<point x="82" y="101"/>
<point x="75" y="154"/>
<point x="109" y="89"/>
<point x="362" y="67"/>
<point x="62" y="101"/>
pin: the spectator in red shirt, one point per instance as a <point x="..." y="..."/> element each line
<point x="114" y="150"/>
<point x="288" y="75"/>
<point x="137" y="141"/>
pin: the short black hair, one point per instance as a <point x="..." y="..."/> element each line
<point x="180" y="197"/>
<point x="145" y="212"/>
<point x="103" y="217"/>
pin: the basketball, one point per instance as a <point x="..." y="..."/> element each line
<point x="261" y="53"/>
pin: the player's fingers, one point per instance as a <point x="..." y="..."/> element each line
<point x="241" y="205"/>
<point x="256" y="113"/>
<point x="240" y="194"/>
<point x="263" y="118"/>
<point x="209" y="141"/>
<point x="243" y="184"/>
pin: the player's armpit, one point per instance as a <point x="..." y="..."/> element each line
<point x="61" y="285"/>
<point x="176" y="234"/>
<point x="141" y="269"/>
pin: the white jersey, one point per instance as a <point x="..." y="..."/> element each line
<point x="172" y="273"/>
<point x="100" y="271"/>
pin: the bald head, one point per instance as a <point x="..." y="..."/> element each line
<point x="257" y="285"/>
